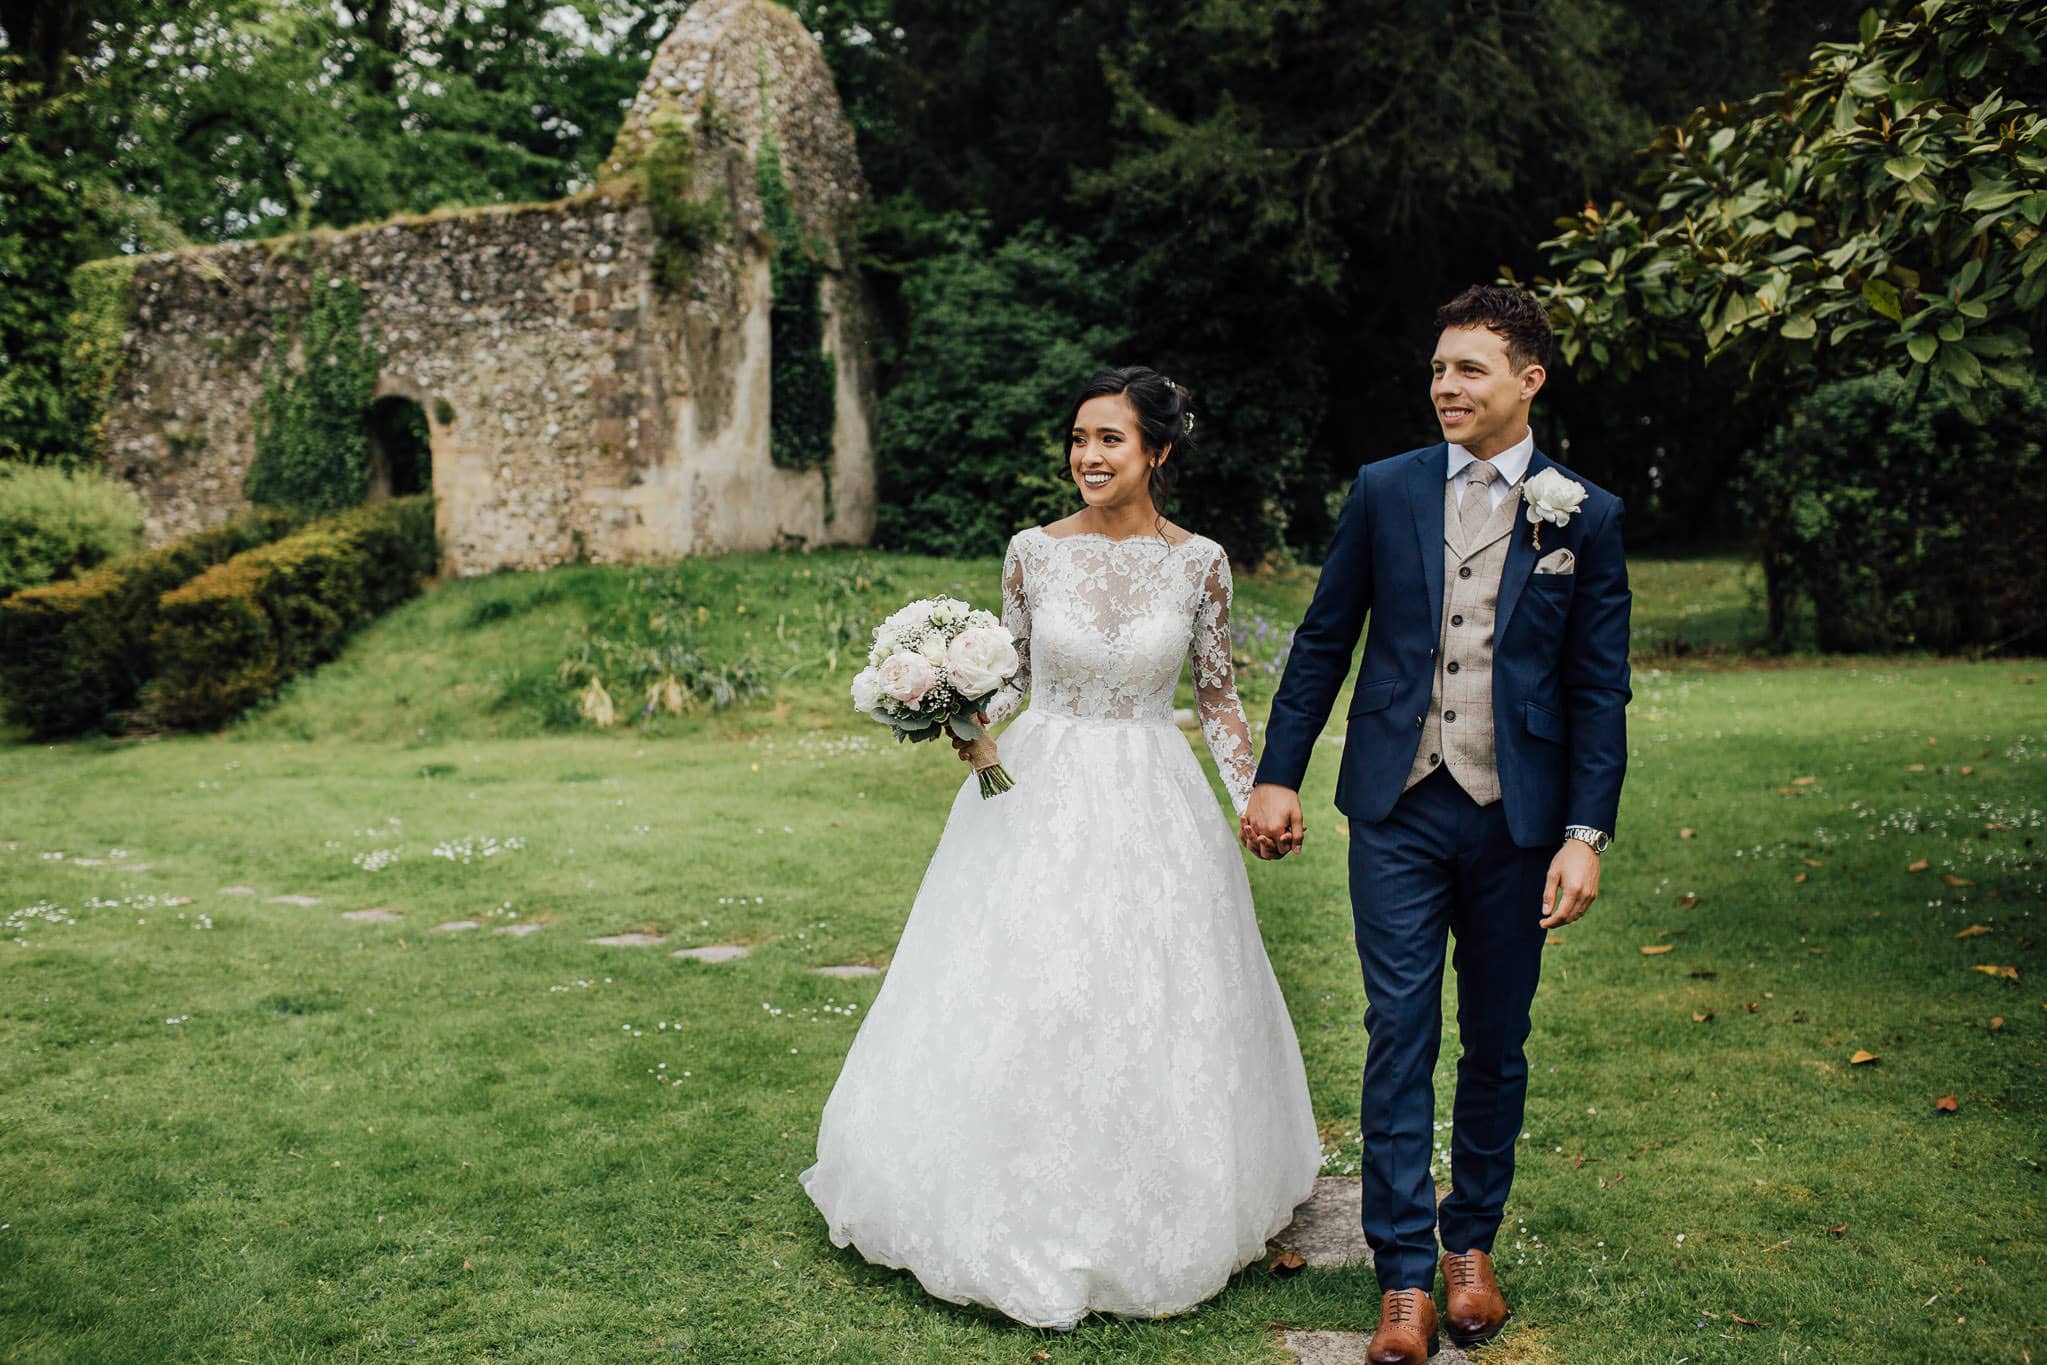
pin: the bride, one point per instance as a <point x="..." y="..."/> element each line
<point x="1078" y="1089"/>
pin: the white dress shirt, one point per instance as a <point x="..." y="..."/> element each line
<point x="1512" y="464"/>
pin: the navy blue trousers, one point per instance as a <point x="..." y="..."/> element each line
<point x="1440" y="864"/>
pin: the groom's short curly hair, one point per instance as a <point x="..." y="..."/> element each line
<point x="1511" y="312"/>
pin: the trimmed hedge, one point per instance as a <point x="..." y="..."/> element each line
<point x="235" y="634"/>
<point x="73" y="653"/>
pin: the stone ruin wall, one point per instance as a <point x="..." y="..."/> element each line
<point x="576" y="407"/>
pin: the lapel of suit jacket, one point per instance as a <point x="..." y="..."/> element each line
<point x="1426" y="480"/>
<point x="1520" y="557"/>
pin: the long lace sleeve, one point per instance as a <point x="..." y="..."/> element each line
<point x="1016" y="618"/>
<point x="1215" y="686"/>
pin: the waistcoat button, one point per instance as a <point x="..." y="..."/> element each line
<point x="1449" y="716"/>
<point x="1450" y="667"/>
<point x="1457" y="620"/>
<point x="1464" y="572"/>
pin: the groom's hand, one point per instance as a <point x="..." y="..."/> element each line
<point x="1573" y="883"/>
<point x="1272" y="825"/>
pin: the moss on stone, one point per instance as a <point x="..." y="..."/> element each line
<point x="94" y="345"/>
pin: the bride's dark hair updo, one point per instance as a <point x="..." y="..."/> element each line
<point x="1165" y="415"/>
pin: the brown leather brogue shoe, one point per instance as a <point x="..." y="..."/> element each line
<point x="1473" y="1308"/>
<point x="1407" y="1329"/>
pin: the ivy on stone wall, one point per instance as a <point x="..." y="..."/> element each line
<point x="312" y="434"/>
<point x="803" y="376"/>
<point x="683" y="225"/>
<point x="93" y="347"/>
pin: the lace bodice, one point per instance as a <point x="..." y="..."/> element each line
<point x="1102" y="626"/>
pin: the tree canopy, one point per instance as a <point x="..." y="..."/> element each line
<point x="1881" y="212"/>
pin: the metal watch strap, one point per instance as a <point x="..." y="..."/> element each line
<point x="1598" y="839"/>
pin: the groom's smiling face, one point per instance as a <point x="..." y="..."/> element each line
<point x="1481" y="398"/>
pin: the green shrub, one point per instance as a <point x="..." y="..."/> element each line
<point x="969" y="449"/>
<point x="1912" y="526"/>
<point x="56" y="524"/>
<point x="643" y="658"/>
<point x="74" y="653"/>
<point x="232" y="636"/>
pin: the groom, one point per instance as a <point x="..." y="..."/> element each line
<point x="1481" y="773"/>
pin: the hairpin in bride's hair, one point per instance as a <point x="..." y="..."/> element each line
<point x="1186" y="417"/>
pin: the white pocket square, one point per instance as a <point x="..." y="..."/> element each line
<point x="1557" y="561"/>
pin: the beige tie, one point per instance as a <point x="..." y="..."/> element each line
<point x="1477" y="508"/>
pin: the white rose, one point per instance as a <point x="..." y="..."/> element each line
<point x="866" y="690"/>
<point x="1552" y="498"/>
<point x="907" y="677"/>
<point x="933" y="649"/>
<point x="981" y="660"/>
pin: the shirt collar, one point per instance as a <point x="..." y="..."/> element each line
<point x="1512" y="463"/>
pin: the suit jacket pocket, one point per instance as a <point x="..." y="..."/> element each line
<point x="1372" y="696"/>
<point x="1544" y="723"/>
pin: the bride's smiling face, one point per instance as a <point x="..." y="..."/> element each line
<point x="1105" y="452"/>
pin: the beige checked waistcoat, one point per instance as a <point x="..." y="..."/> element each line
<point x="1458" y="732"/>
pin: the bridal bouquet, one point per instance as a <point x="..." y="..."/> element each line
<point x="932" y="666"/>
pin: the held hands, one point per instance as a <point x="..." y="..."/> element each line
<point x="1573" y="883"/>
<point x="1271" y="825"/>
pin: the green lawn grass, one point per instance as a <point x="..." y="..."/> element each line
<point x="241" y="1130"/>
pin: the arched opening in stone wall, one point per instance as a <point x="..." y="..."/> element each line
<point x="401" y="449"/>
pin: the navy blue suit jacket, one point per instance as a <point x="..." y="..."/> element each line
<point x="1560" y="654"/>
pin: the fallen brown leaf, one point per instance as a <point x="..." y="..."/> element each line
<point x="1915" y="767"/>
<point x="1286" y="1263"/>
<point x="1651" y="949"/>
<point x="1803" y="781"/>
<point x="1946" y="1104"/>
<point x="1800" y="877"/>
<point x="1974" y="931"/>
<point x="1698" y="1018"/>
<point x="1812" y="862"/>
<point x="1838" y="1229"/>
<point x="1688" y="900"/>
<point x="1967" y="769"/>
<point x="1952" y="880"/>
<point x="1687" y="833"/>
<point x="466" y="1265"/>
<point x="1862" y="1058"/>
<point x="1996" y="1021"/>
<point x="1553" y="940"/>
<point x="2008" y="973"/>
<point x="1919" y="866"/>
<point x="1751" y="1006"/>
<point x="1745" y="1321"/>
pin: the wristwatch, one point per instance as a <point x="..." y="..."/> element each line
<point x="1599" y="839"/>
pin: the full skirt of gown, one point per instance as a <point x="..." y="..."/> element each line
<point x="1078" y="1089"/>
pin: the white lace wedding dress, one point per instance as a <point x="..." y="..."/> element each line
<point x="1078" y="1089"/>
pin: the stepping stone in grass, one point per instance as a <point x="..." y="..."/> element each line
<point x="715" y="952"/>
<point x="238" y="891"/>
<point x="1328" y="1228"/>
<point x="88" y="862"/>
<point x="1348" y="1348"/>
<point x="374" y="915"/>
<point x="850" y="969"/>
<point x="456" y="926"/>
<point x="517" y="930"/>
<point x="292" y="900"/>
<point x="633" y="940"/>
<point x="133" y="867"/>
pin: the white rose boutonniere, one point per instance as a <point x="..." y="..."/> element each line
<point x="1550" y="497"/>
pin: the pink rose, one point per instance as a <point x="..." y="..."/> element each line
<point x="907" y="677"/>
